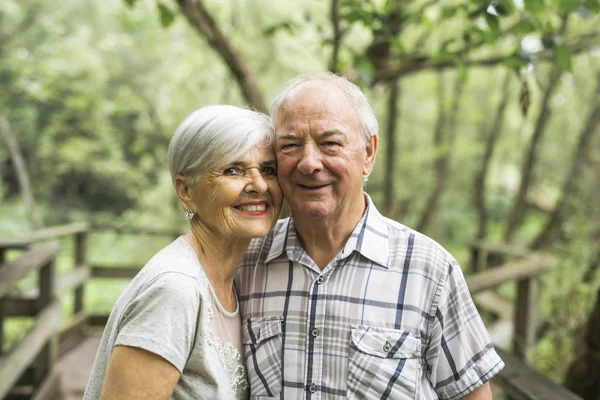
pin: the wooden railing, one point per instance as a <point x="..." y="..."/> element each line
<point x="31" y="361"/>
<point x="36" y="351"/>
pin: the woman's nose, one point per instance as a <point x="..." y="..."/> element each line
<point x="256" y="182"/>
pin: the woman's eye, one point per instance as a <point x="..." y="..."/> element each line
<point x="231" y="171"/>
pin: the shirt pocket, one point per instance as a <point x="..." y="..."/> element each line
<point x="262" y="353"/>
<point x="384" y="363"/>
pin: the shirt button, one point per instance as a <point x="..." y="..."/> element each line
<point x="312" y="388"/>
<point x="387" y="347"/>
<point x="320" y="280"/>
<point x="315" y="332"/>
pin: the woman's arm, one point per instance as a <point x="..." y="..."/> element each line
<point x="134" y="373"/>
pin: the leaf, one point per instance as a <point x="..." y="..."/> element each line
<point x="551" y="40"/>
<point x="562" y="56"/>
<point x="287" y="25"/>
<point x="514" y="61"/>
<point x="592" y="5"/>
<point x="524" y="27"/>
<point x="167" y="16"/>
<point x="535" y="6"/>
<point x="504" y="7"/>
<point x="567" y="6"/>
<point x="493" y="23"/>
<point x="130" y="3"/>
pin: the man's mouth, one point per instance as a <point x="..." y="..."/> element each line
<point x="312" y="187"/>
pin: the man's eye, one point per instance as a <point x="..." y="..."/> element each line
<point x="267" y="170"/>
<point x="288" y="146"/>
<point x="331" y="143"/>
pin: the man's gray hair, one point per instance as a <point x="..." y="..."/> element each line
<point x="366" y="117"/>
<point x="215" y="136"/>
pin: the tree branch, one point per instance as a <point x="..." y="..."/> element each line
<point x="390" y="154"/>
<point x="580" y="158"/>
<point x="444" y="143"/>
<point x="420" y="63"/>
<point x="200" y="18"/>
<point x="518" y="209"/>
<point x="21" y="171"/>
<point x="334" y="15"/>
<point x="493" y="135"/>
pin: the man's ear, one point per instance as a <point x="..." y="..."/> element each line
<point x="184" y="192"/>
<point x="371" y="152"/>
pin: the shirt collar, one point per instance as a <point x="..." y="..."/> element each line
<point x="369" y="238"/>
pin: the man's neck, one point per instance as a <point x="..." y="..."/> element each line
<point x="323" y="239"/>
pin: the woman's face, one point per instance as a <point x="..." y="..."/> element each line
<point x="239" y="200"/>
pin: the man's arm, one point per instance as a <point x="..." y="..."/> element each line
<point x="483" y="392"/>
<point x="136" y="374"/>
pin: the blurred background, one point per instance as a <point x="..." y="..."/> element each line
<point x="488" y="112"/>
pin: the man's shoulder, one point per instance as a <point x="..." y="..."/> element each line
<point x="421" y="251"/>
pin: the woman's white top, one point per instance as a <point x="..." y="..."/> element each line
<point x="170" y="309"/>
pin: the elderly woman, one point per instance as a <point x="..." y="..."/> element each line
<point x="175" y="330"/>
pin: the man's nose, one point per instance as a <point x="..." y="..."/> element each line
<point x="256" y="182"/>
<point x="311" y="160"/>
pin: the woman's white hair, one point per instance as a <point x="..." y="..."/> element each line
<point x="215" y="136"/>
<point x="366" y="117"/>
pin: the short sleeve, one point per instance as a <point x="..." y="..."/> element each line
<point x="460" y="354"/>
<point x="162" y="318"/>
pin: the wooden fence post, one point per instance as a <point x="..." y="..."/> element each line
<point x="2" y="260"/>
<point x="48" y="354"/>
<point x="525" y="317"/>
<point x="80" y="261"/>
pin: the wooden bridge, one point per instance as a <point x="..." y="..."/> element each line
<point x="41" y="364"/>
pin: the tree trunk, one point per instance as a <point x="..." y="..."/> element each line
<point x="390" y="154"/>
<point x="443" y="143"/>
<point x="334" y="15"/>
<point x="492" y="139"/>
<point x="582" y="376"/>
<point x="197" y="15"/>
<point x="581" y="157"/>
<point x="21" y="171"/>
<point x="517" y="211"/>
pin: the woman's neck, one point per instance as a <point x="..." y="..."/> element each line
<point x="219" y="257"/>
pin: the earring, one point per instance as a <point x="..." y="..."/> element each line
<point x="189" y="214"/>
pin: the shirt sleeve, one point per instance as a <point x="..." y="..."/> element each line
<point x="460" y="355"/>
<point x="162" y="318"/>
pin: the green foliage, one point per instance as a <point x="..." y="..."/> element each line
<point x="167" y="16"/>
<point x="94" y="91"/>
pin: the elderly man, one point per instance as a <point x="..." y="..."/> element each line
<point x="339" y="301"/>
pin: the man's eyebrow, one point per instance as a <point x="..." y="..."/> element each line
<point x="332" y="132"/>
<point x="269" y="162"/>
<point x="288" y="136"/>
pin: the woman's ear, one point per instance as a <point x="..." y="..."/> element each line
<point x="184" y="192"/>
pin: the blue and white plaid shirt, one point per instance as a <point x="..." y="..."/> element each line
<point x="390" y="317"/>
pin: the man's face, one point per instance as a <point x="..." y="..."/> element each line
<point x="320" y="154"/>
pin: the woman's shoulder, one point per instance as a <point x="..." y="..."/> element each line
<point x="175" y="259"/>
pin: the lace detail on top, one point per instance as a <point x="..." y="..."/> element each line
<point x="228" y="355"/>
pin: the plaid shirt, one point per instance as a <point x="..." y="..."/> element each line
<point x="389" y="317"/>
